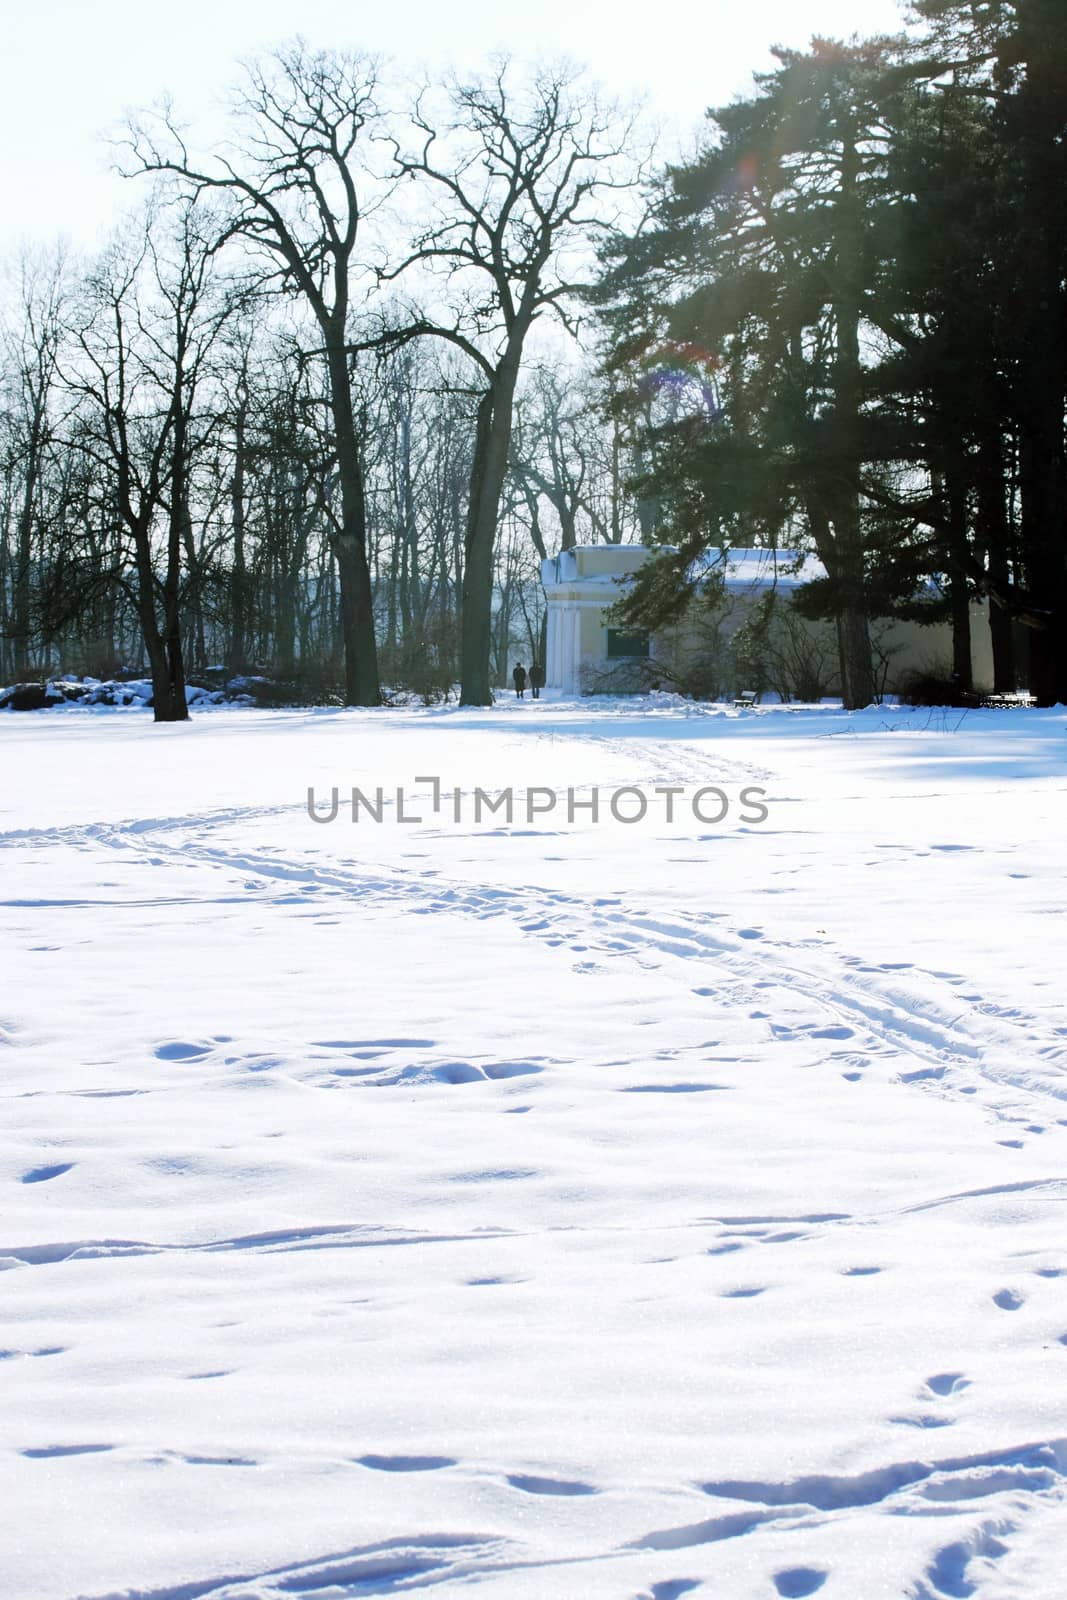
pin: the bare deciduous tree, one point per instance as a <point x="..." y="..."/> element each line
<point x="292" y="187"/>
<point x="31" y="351"/>
<point x="514" y="171"/>
<point x="151" y="317"/>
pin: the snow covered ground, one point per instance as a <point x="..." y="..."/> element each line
<point x="556" y="1210"/>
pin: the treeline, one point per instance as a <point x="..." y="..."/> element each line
<point x="859" y="287"/>
<point x="303" y="415"/>
<point x="299" y="416"/>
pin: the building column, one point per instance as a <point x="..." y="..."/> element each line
<point x="550" y="647"/>
<point x="566" y="623"/>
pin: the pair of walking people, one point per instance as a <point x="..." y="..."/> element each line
<point x="536" y="678"/>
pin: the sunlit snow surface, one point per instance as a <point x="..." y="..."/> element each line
<point x="609" y="1212"/>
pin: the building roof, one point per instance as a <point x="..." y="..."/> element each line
<point x="740" y="569"/>
<point x="606" y="564"/>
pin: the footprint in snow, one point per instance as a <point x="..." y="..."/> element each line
<point x="406" y="1463"/>
<point x="1008" y="1299"/>
<point x="181" y="1050"/>
<point x="511" y="1069"/>
<point x="374" y="1044"/>
<point x="672" y="1088"/>
<point x="46" y="1174"/>
<point x="796" y="1582"/>
<point x="946" y="1383"/>
<point x="554" y="1486"/>
<point x="457" y="1072"/>
<point x="45" y="1452"/>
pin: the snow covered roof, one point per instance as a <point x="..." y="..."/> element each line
<point x="597" y="563"/>
<point x="741" y="569"/>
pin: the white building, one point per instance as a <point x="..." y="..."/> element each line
<point x="583" y="583"/>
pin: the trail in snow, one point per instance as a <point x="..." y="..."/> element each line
<point x="568" y="1211"/>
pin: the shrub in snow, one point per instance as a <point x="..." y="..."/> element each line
<point x="935" y="685"/>
<point x="206" y="689"/>
<point x="27" y="697"/>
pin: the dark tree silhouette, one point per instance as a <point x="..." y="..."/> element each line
<point x="292" y="186"/>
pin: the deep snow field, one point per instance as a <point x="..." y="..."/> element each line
<point x="548" y="1212"/>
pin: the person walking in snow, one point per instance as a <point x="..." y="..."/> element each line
<point x="518" y="678"/>
<point x="537" y="679"/>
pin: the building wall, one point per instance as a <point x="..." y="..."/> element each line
<point x="576" y="637"/>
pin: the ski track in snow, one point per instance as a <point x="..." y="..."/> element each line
<point x="872" y="1008"/>
<point x="920" y="1029"/>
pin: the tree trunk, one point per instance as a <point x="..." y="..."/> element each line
<point x="957" y="552"/>
<point x="170" y="705"/>
<point x="362" y="687"/>
<point x="162" y="647"/>
<point x="857" y="686"/>
<point x="492" y="442"/>
<point x="476" y="630"/>
<point x="1044" y="529"/>
<point x="238" y="650"/>
<point x="22" y="577"/>
<point x="1044" y="310"/>
<point x="175" y="708"/>
<point x="993" y="533"/>
<point x="857" y="666"/>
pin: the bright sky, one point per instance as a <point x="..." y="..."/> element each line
<point x="70" y="69"/>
